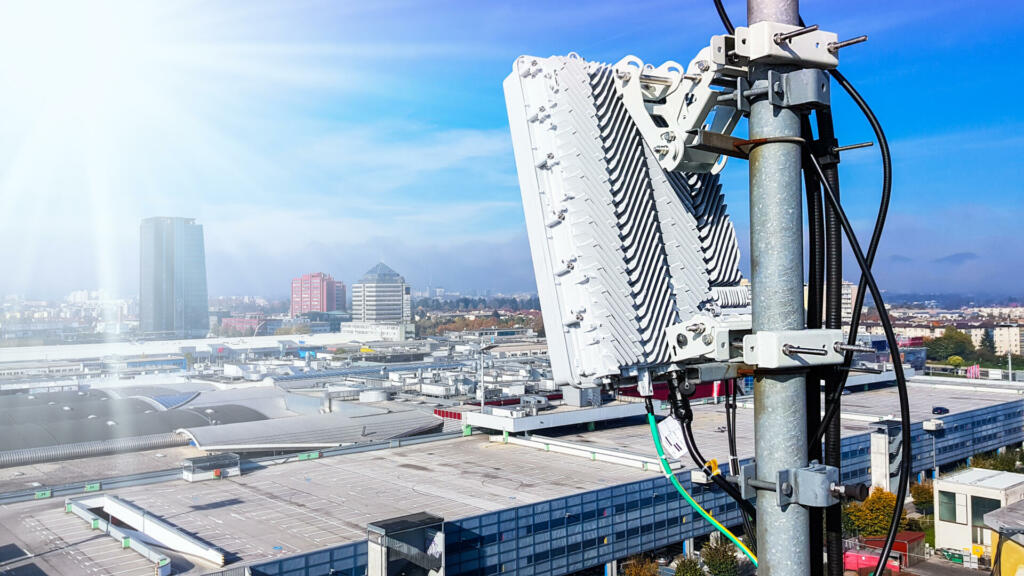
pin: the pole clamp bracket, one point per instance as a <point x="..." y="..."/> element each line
<point x="813" y="486"/>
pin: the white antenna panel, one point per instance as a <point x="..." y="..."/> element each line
<point x="626" y="255"/>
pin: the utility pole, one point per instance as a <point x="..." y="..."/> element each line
<point x="777" y="276"/>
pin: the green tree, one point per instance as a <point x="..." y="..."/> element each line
<point x="988" y="342"/>
<point x="720" y="558"/>
<point x="952" y="343"/>
<point x="1005" y="462"/>
<point x="688" y="567"/>
<point x="955" y="361"/>
<point x="923" y="496"/>
<point x="872" y="516"/>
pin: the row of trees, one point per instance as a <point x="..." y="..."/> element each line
<point x="229" y="332"/>
<point x="433" y="326"/>
<point x="466" y="304"/>
<point x="957" y="349"/>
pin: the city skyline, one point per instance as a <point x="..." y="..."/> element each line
<point x="368" y="151"/>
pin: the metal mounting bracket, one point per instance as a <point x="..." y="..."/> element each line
<point x="757" y="43"/>
<point x="747" y="472"/>
<point x="812" y="486"/>
<point x="804" y="89"/>
<point x="706" y="337"/>
<point x="781" y="349"/>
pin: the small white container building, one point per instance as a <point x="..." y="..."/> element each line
<point x="961" y="502"/>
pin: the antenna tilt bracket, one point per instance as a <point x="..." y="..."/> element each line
<point x="677" y="110"/>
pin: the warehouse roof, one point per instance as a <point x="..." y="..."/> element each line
<point x="47" y="419"/>
<point x="314" y="431"/>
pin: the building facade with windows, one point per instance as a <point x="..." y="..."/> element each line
<point x="172" y="282"/>
<point x="316" y="292"/>
<point x="961" y="502"/>
<point x="381" y="296"/>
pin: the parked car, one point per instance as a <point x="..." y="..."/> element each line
<point x="940" y="410"/>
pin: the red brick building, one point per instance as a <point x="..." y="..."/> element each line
<point x="317" y="292"/>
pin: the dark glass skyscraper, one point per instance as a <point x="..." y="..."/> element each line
<point x="172" y="283"/>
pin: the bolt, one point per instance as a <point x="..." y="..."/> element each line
<point x="852" y="147"/>
<point x="780" y="37"/>
<point x="787" y="488"/>
<point x="834" y="47"/>
<point x="681" y="340"/>
<point x="842" y="347"/>
<point x="707" y="339"/>
<point x="661" y="149"/>
<point x="790" y="350"/>
<point x="697" y="328"/>
<point x="703" y="66"/>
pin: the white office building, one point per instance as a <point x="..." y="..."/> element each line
<point x="961" y="502"/>
<point x="381" y="296"/>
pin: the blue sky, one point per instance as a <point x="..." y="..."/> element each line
<point x="310" y="135"/>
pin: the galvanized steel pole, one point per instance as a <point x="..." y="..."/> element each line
<point x="777" y="278"/>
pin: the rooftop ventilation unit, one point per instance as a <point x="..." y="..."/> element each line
<point x="637" y="267"/>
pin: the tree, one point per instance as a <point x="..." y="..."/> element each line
<point x="688" y="567"/>
<point x="640" y="566"/>
<point x="293" y="329"/>
<point x="955" y="361"/>
<point x="720" y="558"/>
<point x="872" y="516"/>
<point x="988" y="342"/>
<point x="1005" y="462"/>
<point x="952" y="343"/>
<point x="923" y="496"/>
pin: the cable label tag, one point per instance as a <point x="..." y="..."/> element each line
<point x="672" y="438"/>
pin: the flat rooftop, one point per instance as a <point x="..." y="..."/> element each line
<point x="305" y="506"/>
<point x="161" y="348"/>
<point x="860" y="412"/>
<point x="982" y="478"/>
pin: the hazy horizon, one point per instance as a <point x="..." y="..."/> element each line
<point x="303" y="142"/>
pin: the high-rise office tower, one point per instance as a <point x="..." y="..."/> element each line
<point x="172" y="284"/>
<point x="340" y="296"/>
<point x="381" y="296"/>
<point x="317" y="292"/>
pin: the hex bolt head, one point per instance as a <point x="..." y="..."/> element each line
<point x="787" y="488"/>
